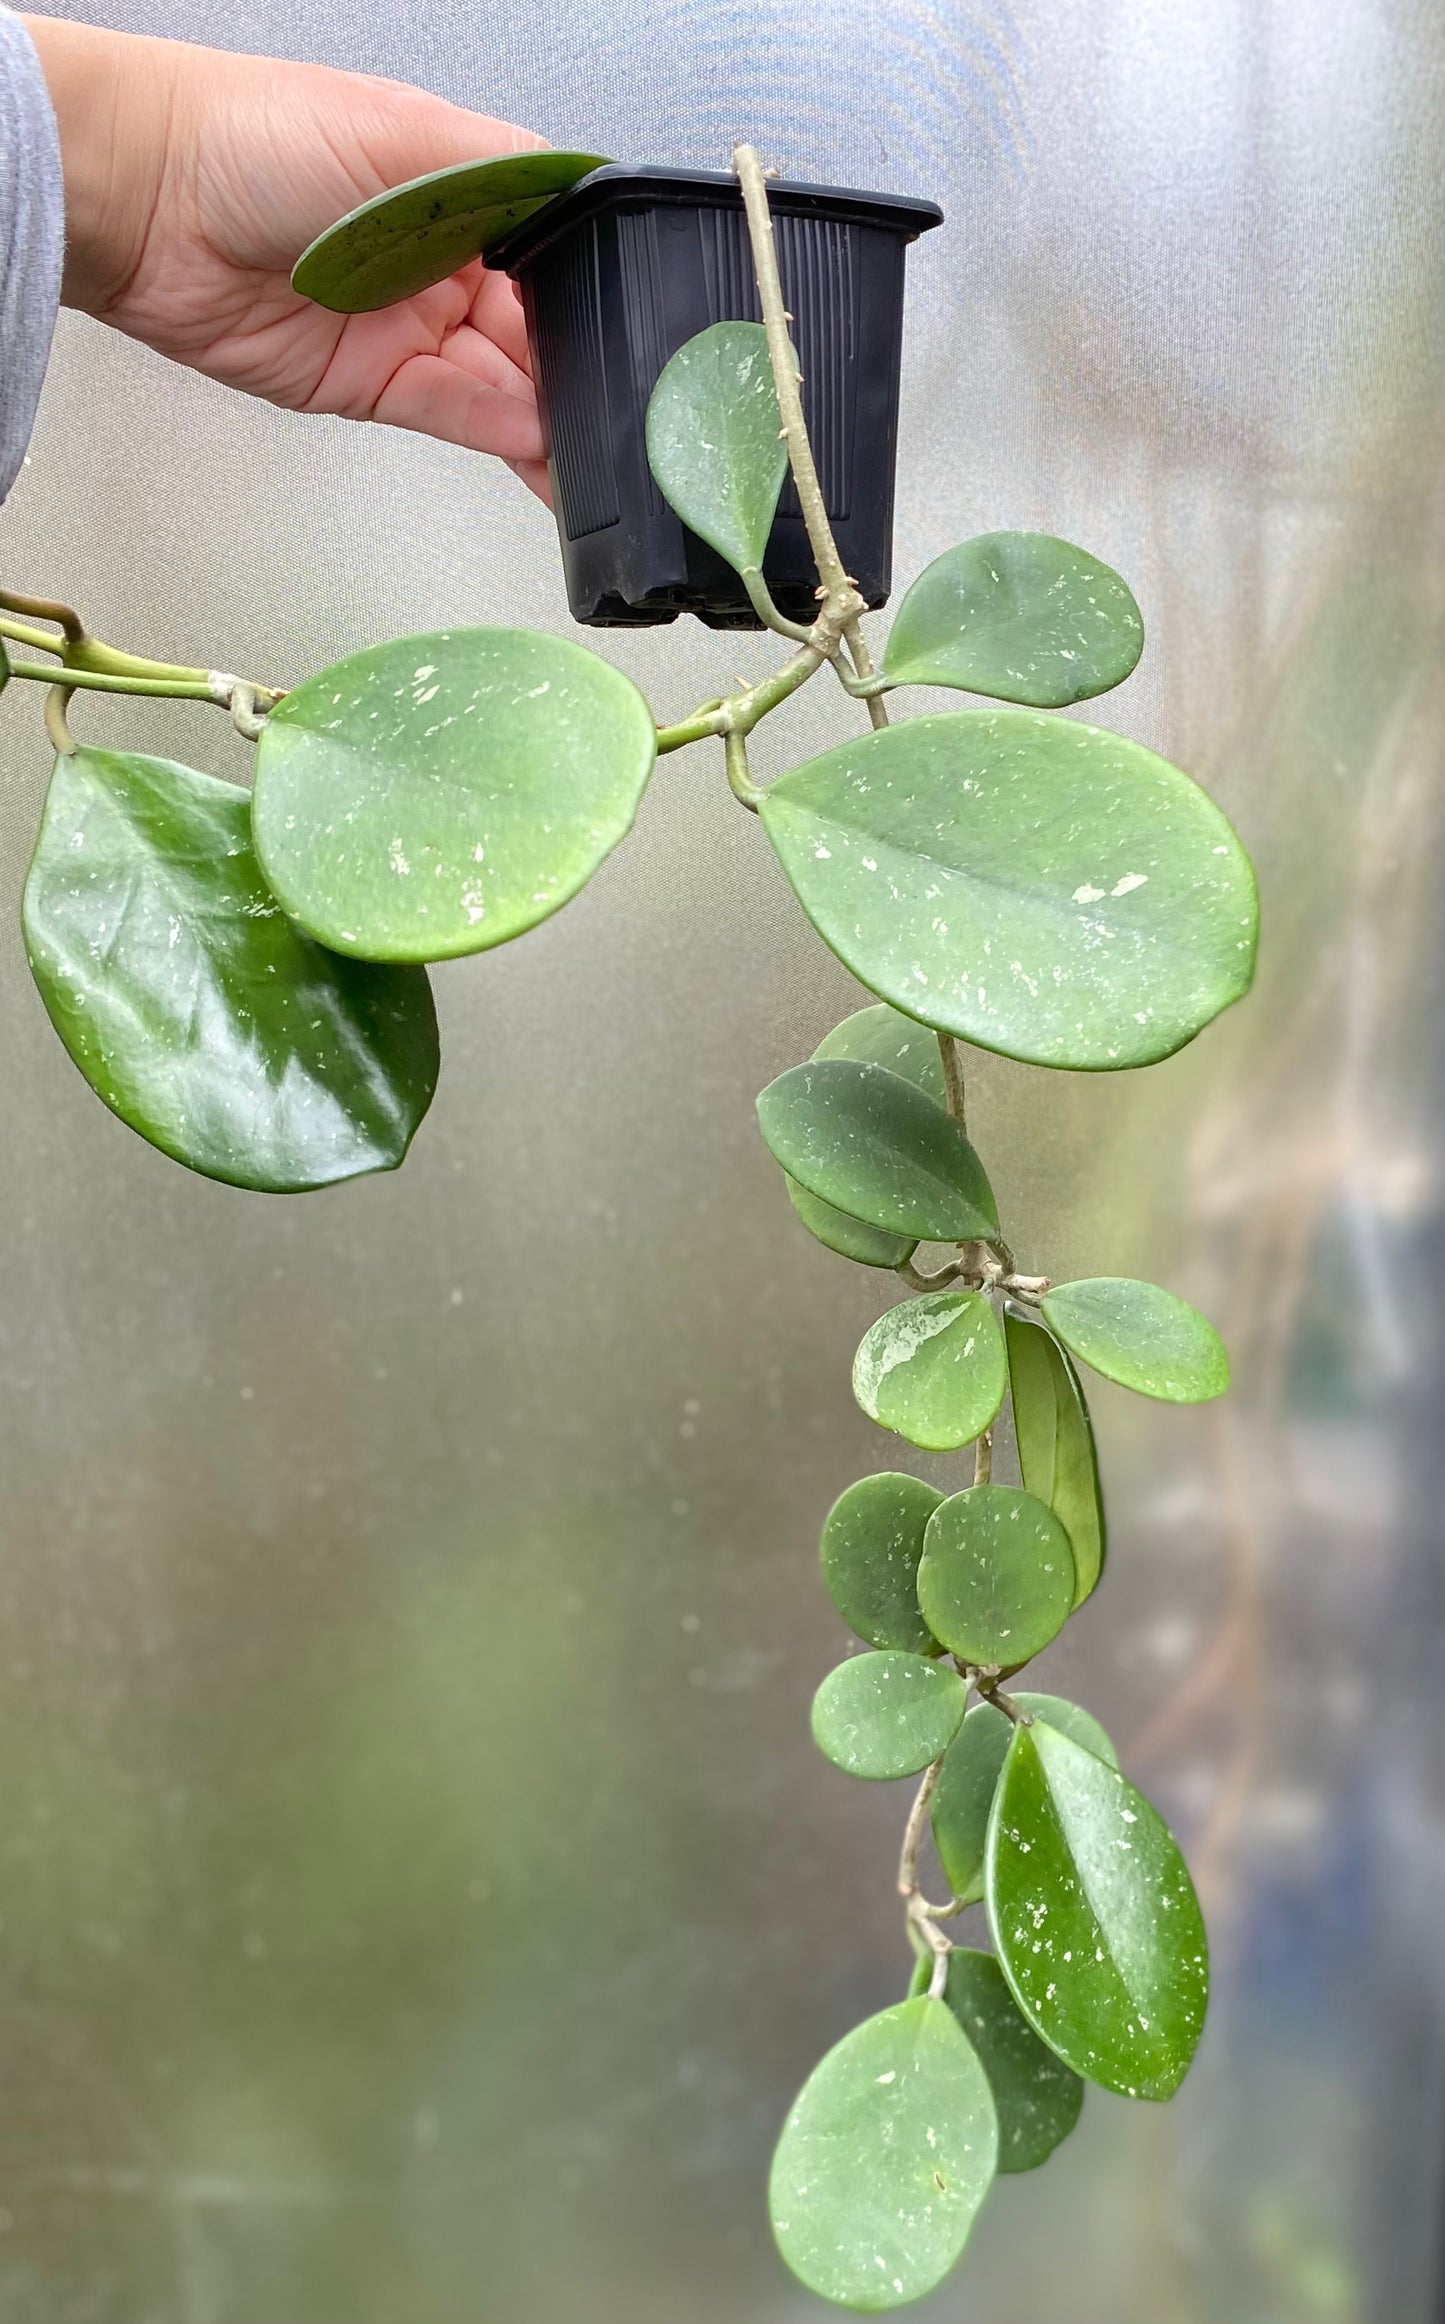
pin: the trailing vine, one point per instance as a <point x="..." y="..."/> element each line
<point x="242" y="979"/>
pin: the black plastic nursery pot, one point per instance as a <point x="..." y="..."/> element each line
<point x="615" y="275"/>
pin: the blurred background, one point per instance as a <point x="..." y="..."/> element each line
<point x="420" y="1896"/>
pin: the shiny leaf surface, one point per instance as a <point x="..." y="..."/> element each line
<point x="1031" y="883"/>
<point x="889" y="2149"/>
<point x="1141" y="1336"/>
<point x="851" y="1238"/>
<point x="872" y="1542"/>
<point x="886" y="1715"/>
<point x="714" y="440"/>
<point x="1020" y="616"/>
<point x="876" y="1148"/>
<point x="1038" y="2099"/>
<point x="413" y="235"/>
<point x="996" y="1579"/>
<point x="881" y="1036"/>
<point x="933" y="1369"/>
<point x="1056" y="1441"/>
<point x="443" y="793"/>
<point x="1094" y="1917"/>
<point x="218" y="1031"/>
<point x="971" y="1768"/>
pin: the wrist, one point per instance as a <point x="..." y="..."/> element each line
<point x="114" y="96"/>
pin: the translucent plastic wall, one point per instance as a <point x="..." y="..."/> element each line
<point x="419" y="1894"/>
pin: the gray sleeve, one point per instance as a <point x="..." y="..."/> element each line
<point x="32" y="239"/>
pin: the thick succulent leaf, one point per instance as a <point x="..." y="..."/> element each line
<point x="851" y="1238"/>
<point x="443" y="793"/>
<point x="1038" y="2099"/>
<point x="1056" y="1441"/>
<point x="876" y="1148"/>
<point x="996" y="1579"/>
<point x="933" y="1369"/>
<point x="1031" y="883"/>
<point x="872" y="1542"/>
<point x="1095" y="1918"/>
<point x="1020" y="616"/>
<point x="969" y="1777"/>
<point x="714" y="440"/>
<point x="413" y="235"/>
<point x="880" y="1036"/>
<point x="889" y="2150"/>
<point x="193" y="1007"/>
<point x="886" y="1715"/>
<point x="1141" y="1336"/>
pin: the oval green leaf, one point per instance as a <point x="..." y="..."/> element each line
<point x="876" y="1148"/>
<point x="1094" y="1918"/>
<point x="1056" y="1441"/>
<point x="714" y="440"/>
<point x="889" y="2150"/>
<point x="885" y="1715"/>
<point x="192" y="1006"/>
<point x="933" y="1369"/>
<point x="1141" y="1336"/>
<point x="1037" y="2097"/>
<point x="851" y="1238"/>
<point x="969" y="1777"/>
<point x="872" y="1542"/>
<point x="996" y="1579"/>
<point x="443" y="793"/>
<point x="1039" y="887"/>
<point x="413" y="235"/>
<point x="881" y="1036"/>
<point x="1020" y="616"/>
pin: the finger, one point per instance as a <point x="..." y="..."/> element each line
<point x="437" y="398"/>
<point x="496" y="311"/>
<point x="534" y="475"/>
<point x="471" y="352"/>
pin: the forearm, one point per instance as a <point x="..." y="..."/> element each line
<point x="114" y="95"/>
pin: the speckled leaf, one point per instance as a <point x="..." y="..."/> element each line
<point x="872" y="1542"/>
<point x="413" y="235"/>
<point x="1094" y="1917"/>
<point x="443" y="793"/>
<point x="714" y="440"/>
<point x="1141" y="1336"/>
<point x="886" y="1715"/>
<point x="851" y="1238"/>
<point x="1056" y="1440"/>
<point x="996" y="1579"/>
<point x="1038" y="2099"/>
<point x="880" y="1036"/>
<point x="875" y="1147"/>
<point x="192" y="1006"/>
<point x="889" y="2149"/>
<point x="933" y="1369"/>
<point x="1020" y="616"/>
<point x="972" y="1766"/>
<point x="1031" y="883"/>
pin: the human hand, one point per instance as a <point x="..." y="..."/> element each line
<point x="194" y="179"/>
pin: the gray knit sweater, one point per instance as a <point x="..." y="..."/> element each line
<point x="32" y="239"/>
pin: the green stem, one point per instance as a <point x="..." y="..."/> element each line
<point x="739" y="779"/>
<point x="952" y="1078"/>
<point x="761" y="599"/>
<point x="188" y="687"/>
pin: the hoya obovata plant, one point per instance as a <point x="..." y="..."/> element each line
<point x="242" y="979"/>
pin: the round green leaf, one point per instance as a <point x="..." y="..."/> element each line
<point x="1056" y="1441"/>
<point x="1020" y="616"/>
<point x="851" y="1238"/>
<point x="191" y="1004"/>
<point x="996" y="1579"/>
<point x="933" y="1369"/>
<point x="969" y="1777"/>
<point x="1140" y="1336"/>
<point x="413" y="235"/>
<point x="1095" y="1918"/>
<point x="443" y="793"/>
<point x="888" y="2152"/>
<point x="1037" y="2097"/>
<point x="872" y="1542"/>
<point x="880" y="1036"/>
<point x="876" y="1148"/>
<point x="886" y="1715"/>
<point x="714" y="440"/>
<point x="1033" y="884"/>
